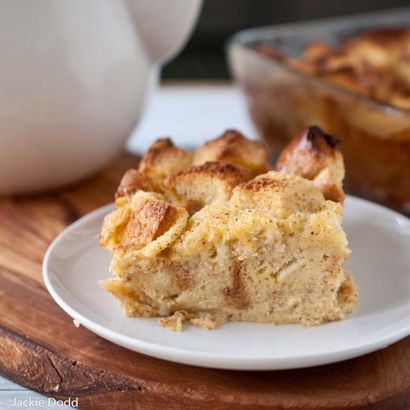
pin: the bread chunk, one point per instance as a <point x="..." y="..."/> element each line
<point x="133" y="181"/>
<point x="314" y="156"/>
<point x="234" y="148"/>
<point x="203" y="184"/>
<point x="139" y="221"/>
<point x="164" y="158"/>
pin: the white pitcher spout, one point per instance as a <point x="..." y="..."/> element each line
<point x="164" y="26"/>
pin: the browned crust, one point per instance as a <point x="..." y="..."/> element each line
<point x="165" y="158"/>
<point x="216" y="169"/>
<point x="150" y="218"/>
<point x="314" y="155"/>
<point x="203" y="184"/>
<point x="312" y="143"/>
<point x="261" y="184"/>
<point x="321" y="141"/>
<point x="142" y="218"/>
<point x="155" y="152"/>
<point x="234" y="148"/>
<point x="167" y="169"/>
<point x="133" y="181"/>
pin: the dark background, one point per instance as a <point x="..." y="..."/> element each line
<point x="204" y="58"/>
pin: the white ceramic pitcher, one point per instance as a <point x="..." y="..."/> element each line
<point x="74" y="75"/>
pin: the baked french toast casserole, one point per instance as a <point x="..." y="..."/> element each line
<point x="214" y="235"/>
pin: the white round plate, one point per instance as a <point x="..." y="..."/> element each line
<point x="380" y="262"/>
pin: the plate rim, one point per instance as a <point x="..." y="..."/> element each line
<point x="211" y="359"/>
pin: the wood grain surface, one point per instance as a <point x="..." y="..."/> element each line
<point x="41" y="348"/>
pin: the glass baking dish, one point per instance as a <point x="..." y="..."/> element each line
<point x="282" y="101"/>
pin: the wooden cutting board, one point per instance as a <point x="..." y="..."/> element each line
<point x="41" y="348"/>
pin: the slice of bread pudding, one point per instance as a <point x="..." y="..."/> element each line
<point x="213" y="236"/>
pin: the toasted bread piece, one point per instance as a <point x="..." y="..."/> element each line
<point x="314" y="155"/>
<point x="150" y="218"/>
<point x="234" y="148"/>
<point x="133" y="181"/>
<point x="163" y="158"/>
<point x="203" y="184"/>
<point x="138" y="221"/>
<point x="280" y="194"/>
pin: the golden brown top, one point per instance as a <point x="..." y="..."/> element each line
<point x="154" y="204"/>
<point x="233" y="147"/>
<point x="203" y="184"/>
<point x="314" y="155"/>
<point x="374" y="63"/>
<point x="133" y="181"/>
<point x="164" y="158"/>
<point x="209" y="173"/>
